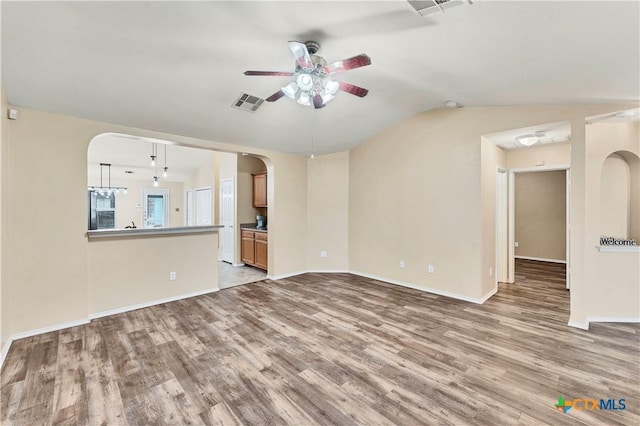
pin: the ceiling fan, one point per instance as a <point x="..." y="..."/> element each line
<point x="313" y="84"/>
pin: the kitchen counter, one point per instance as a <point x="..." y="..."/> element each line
<point x="251" y="227"/>
<point x="141" y="232"/>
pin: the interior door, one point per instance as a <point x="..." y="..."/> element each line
<point x="155" y="208"/>
<point x="188" y="208"/>
<point x="203" y="206"/>
<point x="227" y="217"/>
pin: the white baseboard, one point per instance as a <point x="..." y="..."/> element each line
<point x="237" y="264"/>
<point x="328" y="272"/>
<point x="5" y="351"/>
<point x="430" y="290"/>
<point x="580" y="325"/>
<point x="541" y="259"/>
<point x="49" y="328"/>
<point x="282" y="276"/>
<point x="613" y="319"/>
<point x="123" y="309"/>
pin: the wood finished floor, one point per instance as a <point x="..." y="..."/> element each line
<point x="332" y="349"/>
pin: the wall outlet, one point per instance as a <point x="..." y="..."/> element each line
<point x="490" y="271"/>
<point x="323" y="253"/>
<point x="402" y="263"/>
<point x="172" y="276"/>
<point x="430" y="269"/>
<point x="516" y="244"/>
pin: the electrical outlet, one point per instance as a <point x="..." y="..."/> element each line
<point x="402" y="263"/>
<point x="172" y="276"/>
<point x="516" y="244"/>
<point x="490" y="271"/>
<point x="323" y="253"/>
<point x="430" y="269"/>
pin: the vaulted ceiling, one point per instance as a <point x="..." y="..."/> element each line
<point x="177" y="67"/>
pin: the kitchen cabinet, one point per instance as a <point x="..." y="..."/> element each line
<point x="254" y="248"/>
<point x="260" y="190"/>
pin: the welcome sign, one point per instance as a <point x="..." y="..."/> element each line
<point x="611" y="241"/>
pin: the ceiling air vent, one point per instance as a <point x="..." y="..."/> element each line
<point x="247" y="102"/>
<point x="426" y="7"/>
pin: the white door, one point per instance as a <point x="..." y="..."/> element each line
<point x="188" y="208"/>
<point x="227" y="213"/>
<point x="203" y="206"/>
<point x="501" y="226"/>
<point x="155" y="208"/>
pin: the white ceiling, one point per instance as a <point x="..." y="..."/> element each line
<point x="552" y="133"/>
<point x="177" y="67"/>
<point x="132" y="153"/>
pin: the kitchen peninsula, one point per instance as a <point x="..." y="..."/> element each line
<point x="132" y="268"/>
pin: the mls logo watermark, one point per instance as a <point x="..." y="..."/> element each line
<point x="590" y="404"/>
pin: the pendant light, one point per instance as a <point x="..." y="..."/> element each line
<point x="107" y="190"/>
<point x="166" y="169"/>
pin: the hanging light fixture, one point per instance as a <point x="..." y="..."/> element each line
<point x="107" y="190"/>
<point x="154" y="154"/>
<point x="166" y="169"/>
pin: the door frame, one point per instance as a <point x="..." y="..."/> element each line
<point x="195" y="204"/>
<point x="155" y="191"/>
<point x="233" y="220"/>
<point x="502" y="225"/>
<point x="189" y="217"/>
<point x="512" y="218"/>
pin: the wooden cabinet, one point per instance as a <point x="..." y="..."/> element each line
<point x="260" y="190"/>
<point x="254" y="248"/>
<point x="247" y="250"/>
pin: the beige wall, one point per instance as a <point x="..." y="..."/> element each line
<point x="328" y="206"/>
<point x="4" y="141"/>
<point x="129" y="271"/>
<point x="545" y="155"/>
<point x="492" y="158"/>
<point x="540" y="215"/>
<point x="45" y="272"/>
<point x="612" y="280"/>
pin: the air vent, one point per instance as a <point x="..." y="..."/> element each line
<point x="426" y="7"/>
<point x="247" y="102"/>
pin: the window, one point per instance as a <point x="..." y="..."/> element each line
<point x="102" y="210"/>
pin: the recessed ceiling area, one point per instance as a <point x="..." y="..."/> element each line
<point x="128" y="153"/>
<point x="543" y="134"/>
<point x="177" y="67"/>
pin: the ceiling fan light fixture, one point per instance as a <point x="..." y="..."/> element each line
<point x="326" y="97"/>
<point x="305" y="82"/>
<point x="304" y="99"/>
<point x="290" y="90"/>
<point x="527" y="140"/>
<point x="330" y="86"/>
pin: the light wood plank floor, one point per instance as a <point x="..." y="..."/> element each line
<point x="329" y="349"/>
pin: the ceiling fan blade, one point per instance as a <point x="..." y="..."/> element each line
<point x="318" y="102"/>
<point x="301" y="54"/>
<point x="353" y="89"/>
<point x="276" y="73"/>
<point x="361" y="60"/>
<point x="275" y="96"/>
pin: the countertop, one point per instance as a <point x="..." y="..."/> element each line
<point x="252" y="227"/>
<point x="141" y="232"/>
